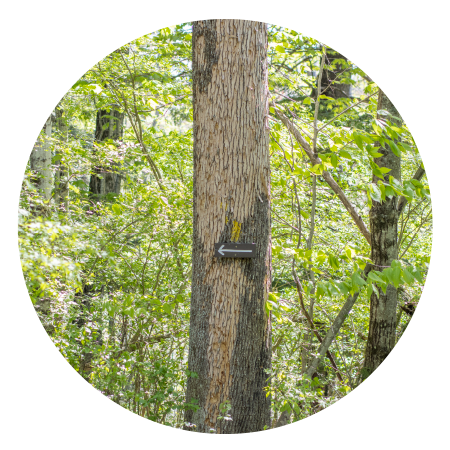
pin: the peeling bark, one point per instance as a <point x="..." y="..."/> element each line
<point x="230" y="337"/>
<point x="383" y="225"/>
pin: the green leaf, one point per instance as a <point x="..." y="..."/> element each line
<point x="334" y="160"/>
<point x="321" y="256"/>
<point x="396" y="276"/>
<point x="332" y="289"/>
<point x="317" y="169"/>
<point x="417" y="274"/>
<point x="74" y="189"/>
<point x="349" y="252"/>
<point x="155" y="301"/>
<point x="374" y="277"/>
<point x="307" y="101"/>
<point x="395" y="150"/>
<point x="375" y="193"/>
<point x="359" y="140"/>
<point x="408" y="193"/>
<point x="382" y="190"/>
<point x="116" y="209"/>
<point x="344" y="154"/>
<point x="377" y="129"/>
<point x="320" y="289"/>
<point x="375" y="289"/>
<point x="273" y="297"/>
<point x="407" y="277"/>
<point x="334" y="262"/>
<point x="407" y="147"/>
<point x="388" y="191"/>
<point x="344" y="288"/>
<point x="280" y="49"/>
<point x="373" y="152"/>
<point x="369" y="198"/>
<point x="357" y="280"/>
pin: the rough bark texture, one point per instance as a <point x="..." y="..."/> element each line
<point x="230" y="338"/>
<point x="383" y="225"/>
<point x="41" y="161"/>
<point x="109" y="125"/>
<point x="330" y="86"/>
<point x="330" y="78"/>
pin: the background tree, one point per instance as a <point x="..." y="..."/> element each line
<point x="61" y="174"/>
<point x="41" y="160"/>
<point x="108" y="127"/>
<point x="384" y="248"/>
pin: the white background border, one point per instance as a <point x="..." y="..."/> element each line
<point x="48" y="45"/>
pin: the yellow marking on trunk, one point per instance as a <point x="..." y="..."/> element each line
<point x="236" y="231"/>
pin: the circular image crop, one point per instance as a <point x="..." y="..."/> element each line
<point x="225" y="226"/>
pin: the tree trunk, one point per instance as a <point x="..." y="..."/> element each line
<point x="230" y="334"/>
<point x="61" y="185"/>
<point x="109" y="125"/>
<point x="330" y="77"/>
<point x="383" y="225"/>
<point x="41" y="162"/>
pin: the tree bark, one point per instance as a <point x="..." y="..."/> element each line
<point x="230" y="333"/>
<point x="284" y="418"/>
<point x="41" y="161"/>
<point x="330" y="78"/>
<point x="109" y="125"/>
<point x="61" y="185"/>
<point x="383" y="225"/>
<point x="331" y="87"/>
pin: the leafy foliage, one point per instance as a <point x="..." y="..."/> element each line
<point x="110" y="277"/>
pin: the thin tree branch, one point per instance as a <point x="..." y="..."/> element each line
<point x="334" y="329"/>
<point x="415" y="234"/>
<point x="326" y="175"/>
<point x="311" y="323"/>
<point x="346" y="109"/>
